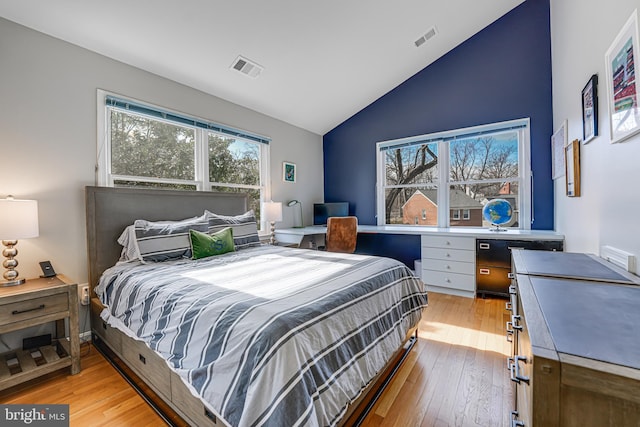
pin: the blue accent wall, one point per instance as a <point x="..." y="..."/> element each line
<point x="501" y="73"/>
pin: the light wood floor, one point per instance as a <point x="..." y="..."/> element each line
<point x="455" y="376"/>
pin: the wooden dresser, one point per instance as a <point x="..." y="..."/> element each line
<point x="576" y="346"/>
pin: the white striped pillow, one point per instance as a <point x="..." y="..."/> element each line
<point x="166" y="240"/>
<point x="245" y="228"/>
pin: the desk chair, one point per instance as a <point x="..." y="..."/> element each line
<point x="342" y="233"/>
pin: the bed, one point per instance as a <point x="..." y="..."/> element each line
<point x="264" y="335"/>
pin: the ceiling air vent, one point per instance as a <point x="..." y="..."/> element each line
<point x="246" y="66"/>
<point x="428" y="35"/>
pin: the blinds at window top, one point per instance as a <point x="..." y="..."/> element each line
<point x="147" y="110"/>
<point x="451" y="136"/>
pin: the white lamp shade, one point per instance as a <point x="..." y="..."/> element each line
<point x="272" y="211"/>
<point x="18" y="219"/>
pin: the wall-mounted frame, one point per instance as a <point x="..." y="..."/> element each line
<point x="622" y="83"/>
<point x="289" y="172"/>
<point x="590" y="109"/>
<point x="558" y="142"/>
<point x="572" y="161"/>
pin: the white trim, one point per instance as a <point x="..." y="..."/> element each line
<point x="104" y="176"/>
<point x="443" y="184"/>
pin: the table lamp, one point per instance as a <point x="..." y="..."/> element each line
<point x="272" y="212"/>
<point x="18" y="220"/>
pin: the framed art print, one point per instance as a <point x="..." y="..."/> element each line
<point x="590" y="109"/>
<point x="558" y="142"/>
<point x="572" y="162"/>
<point x="622" y="84"/>
<point x="289" y="172"/>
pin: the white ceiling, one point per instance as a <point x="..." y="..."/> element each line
<point x="324" y="60"/>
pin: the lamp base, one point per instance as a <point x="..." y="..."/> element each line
<point x="13" y="282"/>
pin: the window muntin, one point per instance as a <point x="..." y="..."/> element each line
<point x="145" y="146"/>
<point x="467" y="168"/>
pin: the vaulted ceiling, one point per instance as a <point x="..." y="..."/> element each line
<point x="322" y="61"/>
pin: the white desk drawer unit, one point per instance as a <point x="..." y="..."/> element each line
<point x="448" y="264"/>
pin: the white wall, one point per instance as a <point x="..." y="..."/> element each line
<point x="607" y="213"/>
<point x="48" y="137"/>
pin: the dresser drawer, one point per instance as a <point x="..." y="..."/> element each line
<point x="32" y="308"/>
<point x="448" y="266"/>
<point x="449" y="242"/>
<point x="146" y="363"/>
<point x="462" y="255"/>
<point x="449" y="280"/>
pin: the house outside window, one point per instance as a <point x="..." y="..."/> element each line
<point x="451" y="175"/>
<point x="141" y="145"/>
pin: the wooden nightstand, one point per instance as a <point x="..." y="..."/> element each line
<point x="36" y="302"/>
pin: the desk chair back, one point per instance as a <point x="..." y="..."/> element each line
<point x="342" y="234"/>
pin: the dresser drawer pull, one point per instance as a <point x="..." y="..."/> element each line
<point x="485" y="271"/>
<point x="515" y="422"/>
<point x="40" y="307"/>
<point x="509" y="332"/>
<point x="512" y="289"/>
<point x="510" y="275"/>
<point x="508" y="306"/>
<point x="448" y="255"/>
<point x="484" y="246"/>
<point x="514" y="368"/>
<point x="142" y="359"/>
<point x="514" y="321"/>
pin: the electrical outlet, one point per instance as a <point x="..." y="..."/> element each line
<point x="84" y="294"/>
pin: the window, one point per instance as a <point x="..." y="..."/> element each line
<point x="449" y="176"/>
<point x="146" y="146"/>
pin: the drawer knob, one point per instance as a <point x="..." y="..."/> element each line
<point x="40" y="307"/>
<point x="448" y="242"/>
<point x="448" y="255"/>
<point x="448" y="267"/>
<point x="448" y="280"/>
<point x="142" y="359"/>
<point x="484" y="246"/>
<point x="484" y="271"/>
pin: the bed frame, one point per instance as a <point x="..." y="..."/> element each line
<point x="109" y="210"/>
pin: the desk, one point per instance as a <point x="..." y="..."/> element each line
<point x="297" y="235"/>
<point x="447" y="256"/>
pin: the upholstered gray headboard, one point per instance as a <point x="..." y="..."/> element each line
<point x="110" y="210"/>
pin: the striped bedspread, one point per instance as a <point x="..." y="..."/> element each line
<point x="269" y="336"/>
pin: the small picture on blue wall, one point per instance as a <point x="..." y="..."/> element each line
<point x="288" y="172"/>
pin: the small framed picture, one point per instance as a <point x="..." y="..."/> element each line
<point x="572" y="162"/>
<point x="558" y="142"/>
<point x="590" y="109"/>
<point x="622" y="84"/>
<point x="289" y="172"/>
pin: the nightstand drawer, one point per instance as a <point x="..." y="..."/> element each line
<point x="33" y="308"/>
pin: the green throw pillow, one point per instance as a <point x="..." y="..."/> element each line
<point x="204" y="245"/>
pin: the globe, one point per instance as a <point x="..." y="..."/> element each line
<point x="497" y="212"/>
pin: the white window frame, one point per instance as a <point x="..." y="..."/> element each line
<point x="105" y="177"/>
<point x="524" y="179"/>
<point x="456" y="214"/>
<point x="466" y="214"/>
